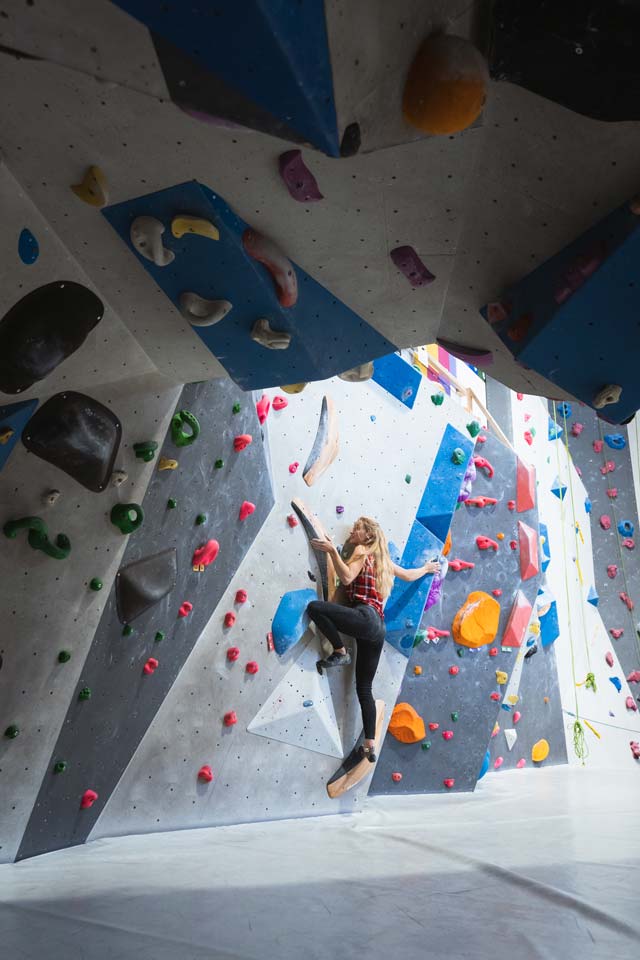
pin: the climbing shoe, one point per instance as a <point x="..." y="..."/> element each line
<point x="369" y="753"/>
<point x="335" y="660"/>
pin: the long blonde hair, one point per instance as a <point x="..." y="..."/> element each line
<point x="376" y="545"/>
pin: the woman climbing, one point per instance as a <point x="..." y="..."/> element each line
<point x="366" y="571"/>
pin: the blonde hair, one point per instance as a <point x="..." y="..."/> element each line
<point x="375" y="545"/>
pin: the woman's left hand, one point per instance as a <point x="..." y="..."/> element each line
<point x="325" y="545"/>
<point x="432" y="566"/>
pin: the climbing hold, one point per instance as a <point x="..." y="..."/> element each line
<point x="455" y="716"/>
<point x="200" y="312"/>
<point x="230" y="718"/>
<point x="598" y="445"/>
<point x="241" y="596"/>
<point x="634" y="677"/>
<point x="172" y="503"/>
<point x="183" y="223"/>
<point x="609" y="657"/>
<point x="576" y="429"/>
<point x="28" y="248"/>
<point x="233" y="653"/>
<point x="146" y="239"/>
<point x="496" y="730"/>
<point x="64" y="656"/>
<point x="605" y="521"/>
<point x="279" y="403"/>
<point x="339" y="509"/>
<point x="630" y="704"/>
<point x="615" y="440"/>
<point x="219" y="464"/>
<point x="587" y="505"/>
<point x="84" y="694"/>
<point x="409" y="263"/>
<point x="499" y="536"/>
<point x="205" y="774"/>
<point x="609" y="394"/>
<point x="150" y="666"/>
<point x="531" y="651"/>
<point x="433" y="634"/>
<point x="501" y="677"/>
<point x="364" y="371"/>
<point x="294" y="387"/>
<point x="540" y="751"/>
<point x="406" y="724"/>
<point x="164" y="463"/>
<point x="493" y="651"/>
<point x="293" y="466"/>
<point x="528" y="437"/>
<point x="12" y="732"/>
<point x="609" y="467"/>
<point x="118" y="477"/>
<point x="246" y="509"/>
<point x="262" y="408"/>
<point x="60" y="766"/>
<point x="298" y="179"/>
<point x="612" y="571"/>
<point x="454" y="671"/>
<point x="447" y="734"/>
<point x="626" y="528"/>
<point x="612" y="493"/>
<point x="481" y="501"/>
<point x="425" y="745"/>
<point x="204" y="555"/>
<point x="511" y="504"/>
<point x="267" y="252"/>
<point x="448" y="782"/>
<point x="351" y="140"/>
<point x="180" y="420"/>
<point x="159" y="636"/>
<point x="145" y="450"/>
<point x="483" y="464"/>
<point x="417" y="671"/>
<point x="628" y="602"/>
<point x="93" y="188"/>
<point x="38" y="538"/>
<point x="96" y="584"/>
<point x="5" y="434"/>
<point x="292" y="520"/>
<point x="127" y="630"/>
<point x="458" y="565"/>
<point x="242" y="441"/>
<point x="88" y="799"/>
<point x="437" y="399"/>
<point x="629" y="543"/>
<point x="474" y="428"/>
<point x="616" y="634"/>
<point x="475" y="356"/>
<point x="481" y="439"/>
<point x="485" y="543"/>
<point x="516" y="716"/>
<point x="635" y="749"/>
<point x="476" y="622"/>
<point x="229" y="619"/>
<point x="396" y="777"/>
<point x="433" y="726"/>
<point x="407" y="478"/>
<point x="446" y="85"/>
<point x="495" y="696"/>
<point x="185" y="609"/>
<point x="127" y="517"/>
<point x="564" y="410"/>
<point x="252" y="667"/>
<point x="513" y="544"/>
<point x="236" y="407"/>
<point x="616" y="682"/>
<point x="497" y="763"/>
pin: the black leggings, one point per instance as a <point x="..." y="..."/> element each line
<point x="363" y="623"/>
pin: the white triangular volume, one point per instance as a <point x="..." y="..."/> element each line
<point x="285" y="717"/>
<point x="511" y="736"/>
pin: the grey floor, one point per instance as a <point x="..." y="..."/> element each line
<point x="536" y="864"/>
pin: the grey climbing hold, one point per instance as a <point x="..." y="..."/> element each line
<point x="146" y="238"/>
<point x="358" y="374"/>
<point x="609" y="394"/>
<point x="142" y="584"/>
<point x="263" y="334"/>
<point x="200" y="312"/>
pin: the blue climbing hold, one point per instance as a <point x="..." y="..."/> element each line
<point x="291" y="619"/>
<point x="615" y="440"/>
<point x="307" y="703"/>
<point x="485" y="764"/>
<point x="592" y="596"/>
<point x="564" y="410"/>
<point x="587" y="505"/>
<point x="616" y="682"/>
<point x="625" y="528"/>
<point x="28" y="249"/>
<point x="554" y="430"/>
<point x="559" y="489"/>
<point x="505" y="706"/>
<point x="372" y="418"/>
<point x="549" y="622"/>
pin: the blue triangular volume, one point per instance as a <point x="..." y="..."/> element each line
<point x="275" y="52"/>
<point x="555" y="431"/>
<point x="13" y="419"/>
<point x="398" y="378"/>
<point x="440" y="495"/>
<point x="592" y="596"/>
<point x="545" y="553"/>
<point x="405" y="605"/>
<point x="291" y="619"/>
<point x="558" y="488"/>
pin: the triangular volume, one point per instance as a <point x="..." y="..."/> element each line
<point x="592" y="596"/>
<point x="13" y="419"/>
<point x="518" y="621"/>
<point x="300" y="710"/>
<point x="142" y="584"/>
<point x="528" y="540"/>
<point x="558" y="488"/>
<point x="525" y="486"/>
<point x="545" y="550"/>
<point x="555" y="431"/>
<point x="510" y="736"/>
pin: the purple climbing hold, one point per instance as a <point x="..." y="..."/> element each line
<point x="339" y="509"/>
<point x="299" y="180"/>
<point x="476" y="356"/>
<point x="408" y="262"/>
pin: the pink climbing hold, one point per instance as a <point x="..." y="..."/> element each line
<point x="493" y="652"/>
<point x="433" y="633"/>
<point x="396" y="777"/>
<point x="292" y="520"/>
<point x="609" y="467"/>
<point x="495" y="696"/>
<point x="433" y="726"/>
<point x="630" y="704"/>
<point x="252" y="667"/>
<point x="578" y="470"/>
<point x="298" y="179"/>
<point x="634" y="677"/>
<point x="629" y="543"/>
<point x="206" y="554"/>
<point x="612" y="493"/>
<point x="486" y="543"/>
<point x="516" y="716"/>
<point x="483" y="464"/>
<point x="268" y="253"/>
<point x="242" y="441"/>
<point x="511" y="504"/>
<point x="481" y="439"/>
<point x="513" y="544"/>
<point x="241" y="596"/>
<point x="230" y="718"/>
<point x="528" y="436"/>
<point x="262" y="408"/>
<point x="521" y="763"/>
<point x="598" y="445"/>
<point x="150" y="666"/>
<point x="616" y="634"/>
<point x="497" y="763"/>
<point x="448" y="782"/>
<point x="520" y="396"/>
<point x="609" y="657"/>
<point x="626" y="599"/>
<point x="480" y="501"/>
<point x="612" y="571"/>
<point x="476" y="356"/>
<point x="89" y="797"/>
<point x="409" y="263"/>
<point x="447" y="734"/>
<point x="576" y="429"/>
<point x="635" y="749"/>
<point x="293" y="466"/>
<point x="279" y="402"/>
<point x="205" y="774"/>
<point x="605" y="521"/>
<point x="185" y="609"/>
<point x="527" y="417"/>
<point x="246" y="509"/>
<point x="229" y="619"/>
<point x="497" y="592"/>
<point x="454" y="671"/>
<point x="233" y="653"/>
<point x="458" y="565"/>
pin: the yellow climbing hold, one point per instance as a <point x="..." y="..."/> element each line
<point x="534" y="628"/>
<point x="476" y="622"/>
<point x="501" y="677"/>
<point x="203" y="228"/>
<point x="5" y="434"/>
<point x="406" y="725"/>
<point x="93" y="189"/>
<point x="165" y="463"/>
<point x="546" y="699"/>
<point x="513" y="699"/>
<point x="540" y="751"/>
<point x="499" y="536"/>
<point x="294" y="388"/>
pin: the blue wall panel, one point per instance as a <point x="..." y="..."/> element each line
<point x="441" y="492"/>
<point x="406" y="603"/>
<point x="14" y="416"/>
<point x="398" y="378"/>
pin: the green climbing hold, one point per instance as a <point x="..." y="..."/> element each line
<point x="64" y="656"/>
<point x="179" y="421"/>
<point x="38" y="538"/>
<point x="200" y="519"/>
<point x="532" y="431"/>
<point x="219" y="464"/>
<point x="473" y="428"/>
<point x="236" y="408"/>
<point x="60" y="766"/>
<point x="458" y="456"/>
<point x="145" y="450"/>
<point x="407" y="478"/>
<point x="459" y="651"/>
<point x="426" y="744"/>
<point x="127" y="517"/>
<point x="96" y="584"/>
<point x="172" y="503"/>
<point x="455" y="715"/>
<point x="11" y="732"/>
<point x="85" y="694"/>
<point x="127" y="630"/>
<point x="159" y="636"/>
<point x="437" y="399"/>
<point x="419" y="637"/>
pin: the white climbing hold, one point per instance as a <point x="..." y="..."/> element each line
<point x="146" y="237"/>
<point x="358" y="374"/>
<point x="50" y="498"/>
<point x="263" y="334"/>
<point x="609" y="394"/>
<point x="200" y="312"/>
<point x="118" y="477"/>
<point x="510" y="736"/>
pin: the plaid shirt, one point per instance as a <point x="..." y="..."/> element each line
<point x="364" y="588"/>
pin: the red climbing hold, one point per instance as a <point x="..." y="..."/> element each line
<point x="242" y="441"/>
<point x="516" y="716"/>
<point x="396" y="777"/>
<point x="511" y="504"/>
<point x="481" y="439"/>
<point x="454" y="671"/>
<point x="293" y="466"/>
<point x="230" y="718"/>
<point x="262" y="407"/>
<point x="229" y="619"/>
<point x="447" y="734"/>
<point x="241" y="596"/>
<point x="483" y="464"/>
<point x="292" y="520"/>
<point x="576" y="429"/>
<point x="233" y="653"/>
<point x="635" y="749"/>
<point x="433" y="633"/>
<point x="205" y="774"/>
<point x="185" y="609"/>
<point x="493" y="652"/>
<point x="528" y="436"/>
<point x="609" y="657"/>
<point x="630" y="704"/>
<point x="513" y="544"/>
<point x="497" y="592"/>
<point x="485" y="543"/>
<point x="605" y="521"/>
<point x="89" y="797"/>
<point x="520" y="396"/>
<point x="480" y="501"/>
<point x="612" y="493"/>
<point x="495" y="696"/>
<point x="626" y="599"/>
<point x="616" y="634"/>
<point x="270" y="643"/>
<point x="497" y="763"/>
<point x="246" y="509"/>
<point x="634" y="677"/>
<point x="252" y="667"/>
<point x="150" y="666"/>
<point x="521" y="763"/>
<point x="598" y="445"/>
<point x="448" y="782"/>
<point x="433" y="726"/>
<point x="279" y="403"/>
<point x="205" y="554"/>
<point x="612" y="571"/>
<point x="628" y="543"/>
<point x="609" y="467"/>
<point x="460" y="565"/>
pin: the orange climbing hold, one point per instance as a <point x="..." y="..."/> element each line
<point x="406" y="724"/>
<point x="417" y="671"/>
<point x="447" y="545"/>
<point x="476" y="622"/>
<point x="540" y="751"/>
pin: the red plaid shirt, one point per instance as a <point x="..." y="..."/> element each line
<point x="364" y="588"/>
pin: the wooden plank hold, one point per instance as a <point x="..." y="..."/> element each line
<point x="354" y="768"/>
<point x="325" y="446"/>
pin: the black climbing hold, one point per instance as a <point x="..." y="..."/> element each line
<point x="530" y="652"/>
<point x="42" y="329"/>
<point x="311" y="576"/>
<point x="78" y="435"/>
<point x="351" y="140"/>
<point x="142" y="584"/>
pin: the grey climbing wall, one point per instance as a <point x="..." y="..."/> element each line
<point x="434" y="693"/>
<point x="101" y="734"/>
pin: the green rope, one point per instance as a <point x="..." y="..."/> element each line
<point x="590" y="682"/>
<point x="580" y="747"/>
